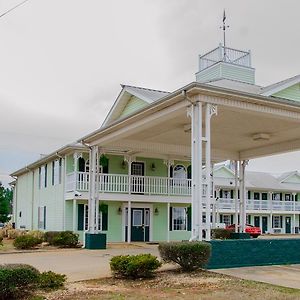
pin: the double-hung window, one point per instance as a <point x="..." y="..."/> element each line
<point x="56" y="171"/>
<point x="179" y="218"/>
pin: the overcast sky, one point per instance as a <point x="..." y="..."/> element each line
<point x="62" y="61"/>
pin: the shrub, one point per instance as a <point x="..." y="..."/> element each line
<point x="189" y="255"/>
<point x="26" y="242"/>
<point x="51" y="280"/>
<point x="66" y="239"/>
<point x="50" y="235"/>
<point x="37" y="234"/>
<point x="16" y="280"/>
<point x="1" y="241"/>
<point x="220" y="233"/>
<point x="14" y="233"/>
<point x="134" y="266"/>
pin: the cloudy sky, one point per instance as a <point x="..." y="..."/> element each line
<point x="62" y="61"/>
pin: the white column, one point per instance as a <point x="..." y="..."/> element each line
<point x="236" y="198"/>
<point x="75" y="157"/>
<point x="243" y="196"/>
<point x="294" y="215"/>
<point x="93" y="193"/>
<point x="168" y="225"/>
<point x="129" y="223"/>
<point x="196" y="114"/>
<point x="271" y="212"/>
<point x="218" y="205"/>
<point x="208" y="169"/>
<point x="74" y="215"/>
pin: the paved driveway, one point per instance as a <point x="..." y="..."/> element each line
<point x="78" y="264"/>
<point x="287" y="275"/>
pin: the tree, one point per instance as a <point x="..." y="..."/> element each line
<point x="6" y="196"/>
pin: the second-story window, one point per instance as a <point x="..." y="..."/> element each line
<point x="56" y="172"/>
<point x="43" y="176"/>
<point x="46" y="169"/>
<point x="276" y="196"/>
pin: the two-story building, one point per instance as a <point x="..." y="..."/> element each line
<point x="152" y="172"/>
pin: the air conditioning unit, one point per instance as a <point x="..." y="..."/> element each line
<point x="277" y="230"/>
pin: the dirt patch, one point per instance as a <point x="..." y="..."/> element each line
<point x="174" y="285"/>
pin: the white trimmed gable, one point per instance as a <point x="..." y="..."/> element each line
<point x="130" y="100"/>
<point x="223" y="172"/>
<point x="292" y="177"/>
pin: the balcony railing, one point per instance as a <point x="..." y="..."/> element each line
<point x="152" y="185"/>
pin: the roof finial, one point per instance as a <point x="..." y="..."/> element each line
<point x="224" y="27"/>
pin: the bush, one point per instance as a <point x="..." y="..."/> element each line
<point x="220" y="233"/>
<point x="26" y="242"/>
<point x="134" y="266"/>
<point x="1" y="241"/>
<point x="189" y="255"/>
<point x="50" y="235"/>
<point x="16" y="280"/>
<point x="14" y="233"/>
<point x="51" y="280"/>
<point x="37" y="234"/>
<point x="66" y="239"/>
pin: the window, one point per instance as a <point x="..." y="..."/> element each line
<point x="179" y="172"/>
<point x="86" y="218"/>
<point x="45" y="167"/>
<point x="276" y="222"/>
<point x="60" y="171"/>
<point x="256" y="196"/>
<point x="287" y="197"/>
<point x="226" y="194"/>
<point x="227" y="219"/>
<point x="40" y="177"/>
<point x="264" y="196"/>
<point x="42" y="217"/>
<point x="179" y="218"/>
<point x="43" y="176"/>
<point x="87" y="166"/>
<point x="276" y="197"/>
<point x="56" y="169"/>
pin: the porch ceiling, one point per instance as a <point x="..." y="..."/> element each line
<point x="245" y="127"/>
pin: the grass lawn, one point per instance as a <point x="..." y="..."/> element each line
<point x="173" y="285"/>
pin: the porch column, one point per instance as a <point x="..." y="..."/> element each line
<point x="168" y="224"/>
<point x="271" y="212"/>
<point x="129" y="223"/>
<point x="243" y="165"/>
<point x="169" y="164"/>
<point x="74" y="227"/>
<point x="75" y="157"/>
<point x="197" y="187"/>
<point x="236" y="198"/>
<point x="209" y="112"/>
<point x="218" y="205"/>
<point x="294" y="211"/>
<point x="93" y="190"/>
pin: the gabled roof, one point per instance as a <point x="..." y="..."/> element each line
<point x="279" y="86"/>
<point x="144" y="94"/>
<point x="285" y="176"/>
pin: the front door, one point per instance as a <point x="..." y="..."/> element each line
<point x="140" y="225"/>
<point x="264" y="224"/>
<point x="288" y="226"/>
<point x="256" y="221"/>
<point x="137" y="179"/>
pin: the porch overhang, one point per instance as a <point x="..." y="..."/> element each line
<point x="247" y="126"/>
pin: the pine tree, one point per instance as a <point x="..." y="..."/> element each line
<point x="5" y="203"/>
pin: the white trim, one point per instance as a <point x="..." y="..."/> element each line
<point x="280" y="86"/>
<point x="137" y="205"/>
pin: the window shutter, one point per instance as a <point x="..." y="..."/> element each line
<point x="44" y="217"/>
<point x="189" y="218"/>
<point x="249" y="219"/>
<point x="280" y="196"/>
<point x="280" y="221"/>
<point x="249" y="194"/>
<point x="171" y="217"/>
<point x="221" y="218"/>
<point x="296" y="197"/>
<point x="231" y="219"/>
<point x="105" y="218"/>
<point x="80" y="216"/>
<point x="238" y="194"/>
<point x="231" y="194"/>
<point x="221" y="193"/>
<point x="53" y="171"/>
<point x="46" y="176"/>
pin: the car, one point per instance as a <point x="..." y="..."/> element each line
<point x="252" y="230"/>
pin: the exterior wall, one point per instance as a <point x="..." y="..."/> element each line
<point x="291" y="93"/>
<point x="133" y="105"/>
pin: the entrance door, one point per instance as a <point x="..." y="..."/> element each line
<point x="288" y="226"/>
<point x="140" y="225"/>
<point x="256" y="221"/>
<point x="264" y="220"/>
<point x="137" y="172"/>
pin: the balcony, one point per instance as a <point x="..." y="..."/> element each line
<point x="124" y="184"/>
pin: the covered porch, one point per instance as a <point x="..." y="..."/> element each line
<point x="205" y="125"/>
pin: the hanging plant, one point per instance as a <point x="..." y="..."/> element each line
<point x="103" y="208"/>
<point x="103" y="161"/>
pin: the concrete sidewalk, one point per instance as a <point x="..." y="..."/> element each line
<point x="283" y="275"/>
<point x="78" y="264"/>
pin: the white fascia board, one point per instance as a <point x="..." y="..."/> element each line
<point x="281" y="87"/>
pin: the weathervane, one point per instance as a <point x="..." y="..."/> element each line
<point x="224" y="27"/>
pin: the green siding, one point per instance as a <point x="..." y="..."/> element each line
<point x="291" y="93"/>
<point x="293" y="179"/>
<point x="132" y="105"/>
<point x="70" y="163"/>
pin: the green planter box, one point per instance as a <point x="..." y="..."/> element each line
<point x="95" y="240"/>
<point x="239" y="235"/>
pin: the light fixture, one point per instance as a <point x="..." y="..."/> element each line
<point x="123" y="164"/>
<point x="261" y="136"/>
<point x="119" y="210"/>
<point x="153" y="167"/>
<point x="156" y="212"/>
